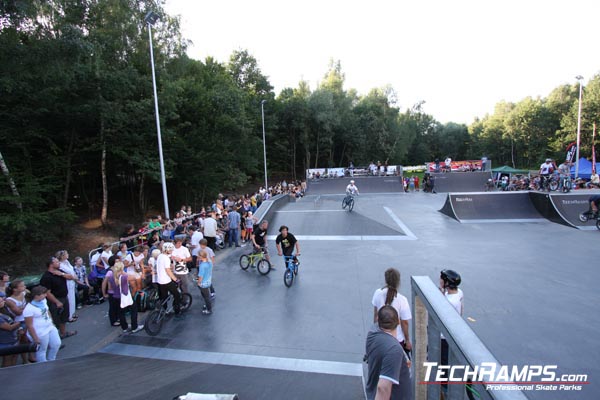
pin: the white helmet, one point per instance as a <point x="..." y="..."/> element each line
<point x="167" y="247"/>
<point x="352" y="182"/>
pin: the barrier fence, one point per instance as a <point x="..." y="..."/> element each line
<point x="434" y="315"/>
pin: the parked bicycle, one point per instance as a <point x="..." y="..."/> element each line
<point x="291" y="269"/>
<point x="164" y="310"/>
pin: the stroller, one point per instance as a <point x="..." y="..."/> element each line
<point x="220" y="240"/>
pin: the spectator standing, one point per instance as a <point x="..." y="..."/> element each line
<point x="449" y="282"/>
<point x="388" y="295"/>
<point x="205" y="281"/>
<point x="210" y="230"/>
<point x="67" y="268"/>
<point x="122" y="281"/>
<point x="196" y="237"/>
<point x="211" y="257"/>
<point x="55" y="281"/>
<point x="233" y="221"/>
<point x="16" y="303"/>
<point x="111" y="292"/>
<point x="388" y="374"/>
<point x="82" y="282"/>
<point x="9" y="333"/>
<point x="106" y="254"/>
<point x="40" y="328"/>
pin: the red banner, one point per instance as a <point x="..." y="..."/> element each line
<point x="456" y="166"/>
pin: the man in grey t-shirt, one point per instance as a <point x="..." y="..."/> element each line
<point x="389" y="375"/>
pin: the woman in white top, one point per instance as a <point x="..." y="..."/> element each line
<point x="16" y="304"/>
<point x="388" y="295"/>
<point x="40" y="328"/>
<point x="67" y="268"/>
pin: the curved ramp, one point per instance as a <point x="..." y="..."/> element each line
<point x="486" y="207"/>
<point x="564" y="208"/>
<point x="460" y="181"/>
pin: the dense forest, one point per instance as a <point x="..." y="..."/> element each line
<point x="77" y="119"/>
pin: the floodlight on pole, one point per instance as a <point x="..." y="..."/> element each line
<point x="579" y="78"/>
<point x="150" y="20"/>
<point x="262" y="107"/>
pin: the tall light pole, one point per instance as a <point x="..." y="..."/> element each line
<point x="150" y="20"/>
<point x="579" y="78"/>
<point x="262" y="107"/>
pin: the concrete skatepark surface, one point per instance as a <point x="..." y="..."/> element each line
<point x="530" y="293"/>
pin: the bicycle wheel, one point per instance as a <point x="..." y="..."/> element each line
<point x="153" y="323"/>
<point x="263" y="266"/>
<point x="288" y="277"/>
<point x="296" y="268"/>
<point x="553" y="185"/>
<point x="598" y="224"/>
<point x="584" y="216"/>
<point x="350" y="205"/>
<point x="344" y="203"/>
<point x="244" y="262"/>
<point x="186" y="301"/>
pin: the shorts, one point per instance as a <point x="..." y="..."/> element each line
<point x="5" y="345"/>
<point x="132" y="272"/>
<point x="59" y="315"/>
<point x="249" y="229"/>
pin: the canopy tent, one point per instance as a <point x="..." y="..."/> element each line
<point x="585" y="168"/>
<point x="505" y="169"/>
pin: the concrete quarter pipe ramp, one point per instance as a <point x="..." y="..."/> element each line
<point x="460" y="181"/>
<point x="486" y="207"/>
<point x="367" y="184"/>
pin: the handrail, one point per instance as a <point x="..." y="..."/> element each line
<point x="432" y="315"/>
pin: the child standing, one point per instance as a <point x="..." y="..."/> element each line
<point x="82" y="283"/>
<point x="204" y="281"/>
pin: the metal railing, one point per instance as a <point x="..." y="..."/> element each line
<point x="432" y="315"/>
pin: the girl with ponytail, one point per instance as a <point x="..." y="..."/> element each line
<point x="388" y="295"/>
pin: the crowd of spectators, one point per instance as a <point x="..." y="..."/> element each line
<point x="38" y="317"/>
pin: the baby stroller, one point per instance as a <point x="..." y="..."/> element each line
<point x="220" y="240"/>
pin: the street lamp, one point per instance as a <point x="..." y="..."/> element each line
<point x="262" y="107"/>
<point x="150" y="20"/>
<point x="579" y="78"/>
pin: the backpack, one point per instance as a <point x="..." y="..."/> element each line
<point x="141" y="300"/>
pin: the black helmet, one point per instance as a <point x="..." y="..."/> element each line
<point x="282" y="227"/>
<point x="451" y="278"/>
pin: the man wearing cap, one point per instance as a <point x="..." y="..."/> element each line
<point x="388" y="376"/>
<point x="546" y="170"/>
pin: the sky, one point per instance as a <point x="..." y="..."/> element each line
<point x="460" y="57"/>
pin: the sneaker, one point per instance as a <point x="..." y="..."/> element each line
<point x="126" y="331"/>
<point x="139" y="328"/>
<point x="206" y="312"/>
<point x="79" y="306"/>
<point x="212" y="295"/>
<point x="203" y="308"/>
<point x="117" y="323"/>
